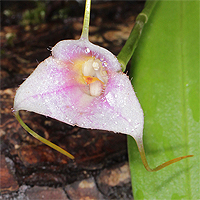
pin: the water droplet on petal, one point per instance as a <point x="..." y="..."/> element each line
<point x="87" y="50"/>
<point x="105" y="64"/>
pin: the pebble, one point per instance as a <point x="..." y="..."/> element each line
<point x="40" y="193"/>
<point x="85" y="190"/>
<point x="113" y="183"/>
<point x="116" y="182"/>
<point x="8" y="181"/>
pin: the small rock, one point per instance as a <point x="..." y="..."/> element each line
<point x="115" y="182"/>
<point x="49" y="193"/>
<point x="17" y="195"/>
<point x="8" y="181"/>
<point x="83" y="190"/>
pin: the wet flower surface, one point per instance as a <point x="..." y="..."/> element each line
<point x="82" y="84"/>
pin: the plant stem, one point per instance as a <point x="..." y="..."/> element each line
<point x="86" y="20"/>
<point x="128" y="49"/>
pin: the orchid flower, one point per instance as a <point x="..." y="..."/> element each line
<point x="82" y="84"/>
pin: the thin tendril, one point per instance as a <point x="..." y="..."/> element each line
<point x="139" y="143"/>
<point x="34" y="134"/>
<point x="86" y="21"/>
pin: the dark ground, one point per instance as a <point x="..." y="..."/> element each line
<point x="29" y="169"/>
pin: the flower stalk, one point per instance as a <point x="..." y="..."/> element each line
<point x="86" y="20"/>
<point x="128" y="49"/>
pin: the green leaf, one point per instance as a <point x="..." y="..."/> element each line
<point x="165" y="71"/>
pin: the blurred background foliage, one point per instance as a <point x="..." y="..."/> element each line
<point x="37" y="12"/>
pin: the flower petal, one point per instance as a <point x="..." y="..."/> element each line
<point x="53" y="90"/>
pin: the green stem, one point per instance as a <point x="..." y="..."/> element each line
<point x="86" y="20"/>
<point x="34" y="134"/>
<point x="127" y="51"/>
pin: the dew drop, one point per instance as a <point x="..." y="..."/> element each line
<point x="105" y="64"/>
<point x="87" y="50"/>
